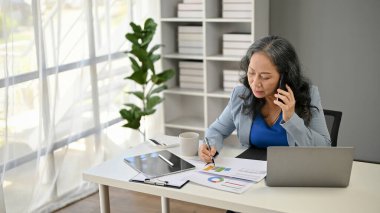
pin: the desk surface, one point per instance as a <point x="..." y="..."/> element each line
<point x="362" y="195"/>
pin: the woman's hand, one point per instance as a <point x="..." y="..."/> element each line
<point x="204" y="154"/>
<point x="288" y="107"/>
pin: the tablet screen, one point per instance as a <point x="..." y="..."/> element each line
<point x="152" y="165"/>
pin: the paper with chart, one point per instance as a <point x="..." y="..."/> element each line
<point x="251" y="170"/>
<point x="220" y="182"/>
<point x="230" y="174"/>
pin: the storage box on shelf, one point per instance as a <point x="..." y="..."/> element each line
<point x="199" y="40"/>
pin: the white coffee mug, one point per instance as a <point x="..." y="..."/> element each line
<point x="189" y="142"/>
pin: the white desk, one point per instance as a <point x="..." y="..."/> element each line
<point x="362" y="195"/>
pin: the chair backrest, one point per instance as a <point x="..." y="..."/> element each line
<point x="333" y="122"/>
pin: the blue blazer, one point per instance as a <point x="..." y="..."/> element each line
<point x="298" y="134"/>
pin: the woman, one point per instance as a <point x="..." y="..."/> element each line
<point x="265" y="115"/>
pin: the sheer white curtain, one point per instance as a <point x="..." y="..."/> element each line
<point x="61" y="87"/>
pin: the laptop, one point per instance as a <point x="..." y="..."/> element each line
<point x="309" y="166"/>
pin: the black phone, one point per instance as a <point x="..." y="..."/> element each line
<point x="281" y="84"/>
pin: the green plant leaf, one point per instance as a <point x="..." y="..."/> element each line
<point x="136" y="28"/>
<point x="154" y="57"/>
<point x="154" y="48"/>
<point x="140" y="53"/>
<point x="135" y="65"/>
<point x="139" y="77"/>
<point x="158" y="89"/>
<point x="150" y="29"/>
<point x="150" y="24"/>
<point x="132" y="116"/>
<point x="132" y="38"/>
<point x="163" y="76"/>
<point x="138" y="94"/>
<point x="148" y="112"/>
<point x="153" y="101"/>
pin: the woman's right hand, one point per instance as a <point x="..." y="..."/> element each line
<point x="205" y="154"/>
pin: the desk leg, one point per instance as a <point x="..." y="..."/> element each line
<point x="104" y="199"/>
<point x="165" y="208"/>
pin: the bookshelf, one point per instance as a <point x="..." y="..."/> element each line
<point x="195" y="109"/>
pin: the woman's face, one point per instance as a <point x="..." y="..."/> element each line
<point x="262" y="75"/>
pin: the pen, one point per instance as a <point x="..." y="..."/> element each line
<point x="157" y="143"/>
<point x="166" y="160"/>
<point x="209" y="149"/>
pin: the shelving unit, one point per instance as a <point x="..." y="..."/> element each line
<point x="196" y="109"/>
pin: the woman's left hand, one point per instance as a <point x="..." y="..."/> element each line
<point x="288" y="107"/>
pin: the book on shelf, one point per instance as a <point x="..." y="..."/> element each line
<point x="230" y="83"/>
<point x="191" y="85"/>
<point x="190" y="29"/>
<point x="191" y="72"/>
<point x="237" y="37"/>
<point x="191" y="64"/>
<point x="231" y="72"/>
<point x="237" y="1"/>
<point x="236" y="14"/>
<point x="190" y="50"/>
<point x="190" y="14"/>
<point x="189" y="78"/>
<point x="234" y="52"/>
<point x="231" y="75"/>
<point x="185" y="43"/>
<point x="228" y="89"/>
<point x="236" y="44"/>
<point x="188" y="6"/>
<point x="234" y="78"/>
<point x="190" y="36"/>
<point x="227" y="6"/>
<point x="193" y="1"/>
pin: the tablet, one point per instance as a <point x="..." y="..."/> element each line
<point x="157" y="164"/>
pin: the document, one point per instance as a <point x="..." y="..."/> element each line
<point x="219" y="182"/>
<point x="229" y="174"/>
<point x="251" y="170"/>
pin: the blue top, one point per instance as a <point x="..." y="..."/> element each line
<point x="262" y="135"/>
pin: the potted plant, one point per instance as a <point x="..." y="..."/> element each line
<point x="142" y="59"/>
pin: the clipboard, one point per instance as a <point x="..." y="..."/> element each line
<point x="173" y="182"/>
<point x="158" y="164"/>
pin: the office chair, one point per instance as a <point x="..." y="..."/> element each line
<point x="333" y="122"/>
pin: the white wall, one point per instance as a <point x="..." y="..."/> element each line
<point x="338" y="42"/>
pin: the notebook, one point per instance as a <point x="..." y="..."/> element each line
<point x="309" y="166"/>
<point x="157" y="164"/>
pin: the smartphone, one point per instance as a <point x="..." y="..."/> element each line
<point x="281" y="84"/>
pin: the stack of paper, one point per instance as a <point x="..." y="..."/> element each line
<point x="230" y="174"/>
<point x="190" y="9"/>
<point x="236" y="44"/>
<point x="191" y="75"/>
<point x="190" y="40"/>
<point x="237" y="9"/>
<point x="230" y="79"/>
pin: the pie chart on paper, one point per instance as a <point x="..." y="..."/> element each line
<point x="215" y="179"/>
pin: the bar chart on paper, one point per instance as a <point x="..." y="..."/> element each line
<point x="254" y="174"/>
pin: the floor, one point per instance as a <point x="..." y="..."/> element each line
<point x="128" y="201"/>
